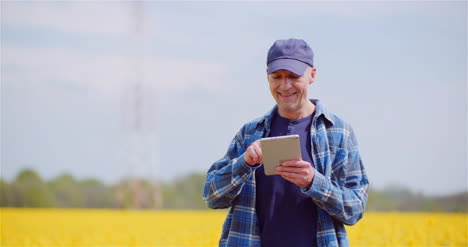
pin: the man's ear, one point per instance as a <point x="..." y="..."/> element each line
<point x="313" y="72"/>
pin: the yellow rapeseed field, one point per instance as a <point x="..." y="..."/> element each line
<point x="86" y="227"/>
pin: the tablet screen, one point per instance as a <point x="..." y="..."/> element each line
<point x="278" y="149"/>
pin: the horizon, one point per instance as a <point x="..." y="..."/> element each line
<point x="145" y="92"/>
<point x="385" y="189"/>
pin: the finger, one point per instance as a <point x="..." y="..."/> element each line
<point x="291" y="179"/>
<point x="255" y="148"/>
<point x="299" y="180"/>
<point x="290" y="169"/>
<point x="291" y="175"/>
<point x="295" y="163"/>
<point x="253" y="154"/>
<point x="258" y="152"/>
<point x="256" y="144"/>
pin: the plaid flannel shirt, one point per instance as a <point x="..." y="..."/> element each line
<point x="339" y="187"/>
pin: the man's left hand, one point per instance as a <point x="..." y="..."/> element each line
<point x="298" y="172"/>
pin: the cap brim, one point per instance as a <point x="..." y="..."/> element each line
<point x="295" y="66"/>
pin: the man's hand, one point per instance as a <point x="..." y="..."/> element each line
<point x="298" y="172"/>
<point x="253" y="154"/>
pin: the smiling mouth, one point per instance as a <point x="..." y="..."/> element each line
<point x="286" y="95"/>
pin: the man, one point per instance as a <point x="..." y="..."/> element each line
<point x="308" y="202"/>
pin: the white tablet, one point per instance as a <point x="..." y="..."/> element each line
<point x="278" y="149"/>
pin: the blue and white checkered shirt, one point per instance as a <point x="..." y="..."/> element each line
<point x="339" y="187"/>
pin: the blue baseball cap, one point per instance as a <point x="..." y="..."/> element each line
<point x="294" y="55"/>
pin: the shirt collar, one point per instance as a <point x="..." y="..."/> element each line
<point x="320" y="110"/>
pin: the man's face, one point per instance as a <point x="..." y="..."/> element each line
<point x="290" y="90"/>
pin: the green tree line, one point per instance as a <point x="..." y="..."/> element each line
<point x="28" y="189"/>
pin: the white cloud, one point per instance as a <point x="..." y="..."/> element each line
<point x="88" y="17"/>
<point x="108" y="74"/>
<point x="366" y="9"/>
<point x="114" y="17"/>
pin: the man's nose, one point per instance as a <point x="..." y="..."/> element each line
<point x="285" y="84"/>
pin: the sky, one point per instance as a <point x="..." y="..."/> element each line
<point x="108" y="89"/>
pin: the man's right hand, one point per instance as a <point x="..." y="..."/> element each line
<point x="253" y="154"/>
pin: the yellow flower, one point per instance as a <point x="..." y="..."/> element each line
<point x="115" y="228"/>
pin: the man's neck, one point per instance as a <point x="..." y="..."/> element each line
<point x="304" y="112"/>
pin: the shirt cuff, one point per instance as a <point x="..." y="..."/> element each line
<point x="318" y="187"/>
<point x="241" y="167"/>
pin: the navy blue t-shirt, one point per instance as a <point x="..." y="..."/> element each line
<point x="287" y="216"/>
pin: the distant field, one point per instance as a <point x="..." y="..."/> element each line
<point x="86" y="227"/>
